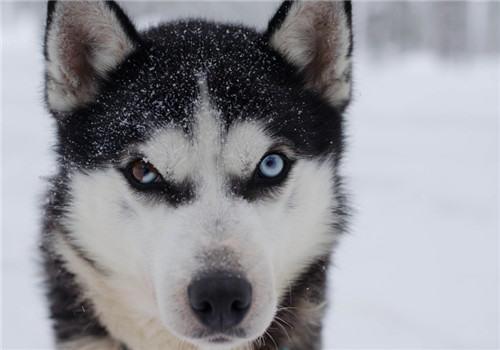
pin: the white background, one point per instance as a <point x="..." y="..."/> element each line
<point x="419" y="268"/>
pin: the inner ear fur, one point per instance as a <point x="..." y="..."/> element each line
<point x="316" y="38"/>
<point x="84" y="41"/>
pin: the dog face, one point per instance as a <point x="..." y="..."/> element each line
<point x="199" y="159"/>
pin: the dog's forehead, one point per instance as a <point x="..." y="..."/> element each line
<point x="158" y="88"/>
<point x="210" y="146"/>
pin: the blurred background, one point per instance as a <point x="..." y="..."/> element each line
<point x="420" y="266"/>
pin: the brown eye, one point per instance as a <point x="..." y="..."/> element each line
<point x="144" y="172"/>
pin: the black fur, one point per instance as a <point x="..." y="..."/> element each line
<point x="296" y="326"/>
<point x="348" y="11"/>
<point x="157" y="86"/>
<point x="262" y="86"/>
<point x="51" y="6"/>
<point x="73" y="316"/>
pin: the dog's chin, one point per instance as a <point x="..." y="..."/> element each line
<point x="219" y="342"/>
<point x="204" y="339"/>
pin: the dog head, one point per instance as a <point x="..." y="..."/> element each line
<point x="200" y="160"/>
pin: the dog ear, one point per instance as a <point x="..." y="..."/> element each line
<point x="316" y="38"/>
<point x="84" y="41"/>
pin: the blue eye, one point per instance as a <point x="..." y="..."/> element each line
<point x="272" y="166"/>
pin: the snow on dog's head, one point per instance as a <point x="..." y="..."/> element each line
<point x="200" y="161"/>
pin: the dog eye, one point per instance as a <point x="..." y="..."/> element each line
<point x="144" y="172"/>
<point x="272" y="166"/>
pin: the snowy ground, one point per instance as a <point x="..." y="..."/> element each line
<point x="420" y="266"/>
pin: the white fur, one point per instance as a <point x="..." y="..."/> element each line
<point x="171" y="152"/>
<point x="246" y="143"/>
<point x="150" y="250"/>
<point x="307" y="24"/>
<point x="76" y="24"/>
<point x="175" y="156"/>
<point x="90" y="343"/>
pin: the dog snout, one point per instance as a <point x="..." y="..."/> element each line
<point x="220" y="300"/>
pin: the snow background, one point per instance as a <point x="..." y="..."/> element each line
<point x="420" y="267"/>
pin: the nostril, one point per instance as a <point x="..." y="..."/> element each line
<point x="204" y="307"/>
<point x="240" y="305"/>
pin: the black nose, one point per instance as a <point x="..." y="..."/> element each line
<point x="220" y="300"/>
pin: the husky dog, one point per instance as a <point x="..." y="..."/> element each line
<point x="197" y="196"/>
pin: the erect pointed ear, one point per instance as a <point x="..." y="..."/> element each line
<point x="316" y="38"/>
<point x="84" y="41"/>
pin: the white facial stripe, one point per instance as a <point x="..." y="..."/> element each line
<point x="177" y="156"/>
<point x="207" y="144"/>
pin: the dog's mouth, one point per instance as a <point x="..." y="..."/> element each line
<point x="220" y="340"/>
<point x="225" y="339"/>
<point x="229" y="335"/>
